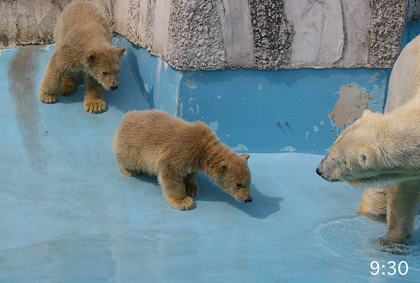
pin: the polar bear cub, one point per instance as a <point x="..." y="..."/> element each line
<point x="83" y="42"/>
<point x="155" y="143"/>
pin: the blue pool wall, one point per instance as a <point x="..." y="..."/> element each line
<point x="252" y="110"/>
<point x="256" y="110"/>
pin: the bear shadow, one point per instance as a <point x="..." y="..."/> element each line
<point x="261" y="206"/>
<point x="135" y="69"/>
<point x="79" y="95"/>
<point x="124" y="99"/>
<point x="147" y="179"/>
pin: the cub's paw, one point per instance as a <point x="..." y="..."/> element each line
<point x="95" y="106"/>
<point x="192" y="190"/>
<point x="185" y="203"/>
<point x="48" y="98"/>
<point x="68" y="87"/>
<point x="128" y="173"/>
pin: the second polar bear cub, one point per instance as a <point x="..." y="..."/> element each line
<point x="83" y="42"/>
<point x="156" y="143"/>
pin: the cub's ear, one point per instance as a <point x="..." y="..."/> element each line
<point x="223" y="167"/>
<point x="245" y="156"/>
<point x="92" y="57"/>
<point x="366" y="158"/>
<point x="120" y="51"/>
<point x="366" y="113"/>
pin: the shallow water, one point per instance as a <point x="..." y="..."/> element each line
<point x="364" y="238"/>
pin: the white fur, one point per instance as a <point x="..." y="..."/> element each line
<point x="383" y="150"/>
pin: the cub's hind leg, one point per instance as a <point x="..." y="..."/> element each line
<point x="68" y="84"/>
<point x="191" y="186"/>
<point x="125" y="171"/>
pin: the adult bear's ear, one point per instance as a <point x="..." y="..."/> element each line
<point x="366" y="113"/>
<point x="91" y="57"/>
<point x="120" y="51"/>
<point x="223" y="167"/>
<point x="245" y="156"/>
<point x="366" y="158"/>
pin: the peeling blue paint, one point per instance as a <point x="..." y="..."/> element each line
<point x="288" y="148"/>
<point x="240" y="147"/>
<point x="378" y="91"/>
<point x="214" y="126"/>
<point x="190" y="83"/>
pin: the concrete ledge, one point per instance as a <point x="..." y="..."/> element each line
<point x="222" y="34"/>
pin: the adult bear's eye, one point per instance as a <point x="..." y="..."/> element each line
<point x="238" y="185"/>
<point x="104" y="73"/>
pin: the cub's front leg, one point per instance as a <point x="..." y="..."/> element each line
<point x="173" y="189"/>
<point x="402" y="202"/>
<point x="51" y="82"/>
<point x="94" y="96"/>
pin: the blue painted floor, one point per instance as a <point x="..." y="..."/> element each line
<point x="67" y="214"/>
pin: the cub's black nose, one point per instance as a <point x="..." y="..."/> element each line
<point x="248" y="200"/>
<point x="113" y="88"/>
<point x="318" y="171"/>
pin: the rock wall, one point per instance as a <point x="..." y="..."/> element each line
<point x="221" y="34"/>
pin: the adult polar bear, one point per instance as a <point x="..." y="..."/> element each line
<point x="383" y="150"/>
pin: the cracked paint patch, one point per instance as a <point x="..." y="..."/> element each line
<point x="349" y="106"/>
<point x="214" y="126"/>
<point x="192" y="110"/>
<point x="288" y="148"/>
<point x="374" y="77"/>
<point x="316" y="129"/>
<point x="379" y="93"/>
<point x="240" y="147"/>
<point x="260" y="85"/>
<point x="201" y="74"/>
<point x="181" y="108"/>
<point x="190" y="83"/>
